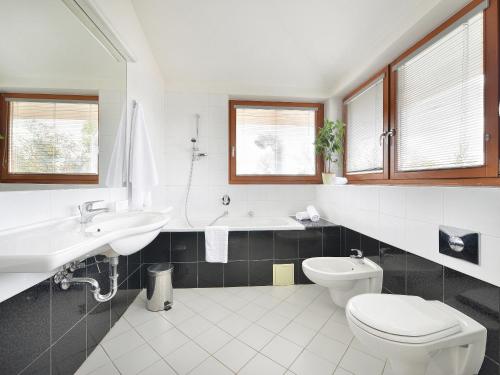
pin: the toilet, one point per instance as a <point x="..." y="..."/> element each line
<point x="345" y="277"/>
<point x="418" y="337"/>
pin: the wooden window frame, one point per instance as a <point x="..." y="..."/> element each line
<point x="385" y="171"/>
<point x="270" y="179"/>
<point x="34" y="178"/>
<point x="487" y="175"/>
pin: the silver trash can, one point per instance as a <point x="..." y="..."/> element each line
<point x="160" y="294"/>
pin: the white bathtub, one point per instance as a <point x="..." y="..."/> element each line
<point x="236" y="224"/>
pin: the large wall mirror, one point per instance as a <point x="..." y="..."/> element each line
<point x="62" y="97"/>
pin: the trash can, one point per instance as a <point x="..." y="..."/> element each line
<point x="160" y="295"/>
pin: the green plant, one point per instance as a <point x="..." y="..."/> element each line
<point x="330" y="142"/>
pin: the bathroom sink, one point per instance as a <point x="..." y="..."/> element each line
<point x="47" y="246"/>
<point x="134" y="230"/>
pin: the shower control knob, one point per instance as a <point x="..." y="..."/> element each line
<point x="226" y="200"/>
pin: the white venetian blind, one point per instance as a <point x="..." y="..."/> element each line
<point x="365" y="124"/>
<point x="440" y="94"/>
<point x="275" y="141"/>
<point x="49" y="137"/>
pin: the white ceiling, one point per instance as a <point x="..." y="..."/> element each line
<point x="285" y="48"/>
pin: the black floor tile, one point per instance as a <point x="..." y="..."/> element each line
<point x="70" y="351"/>
<point x="261" y="272"/>
<point x="286" y="244"/>
<point x="210" y="275"/>
<point x="261" y="245"/>
<point x="311" y="243"/>
<point x="331" y="242"/>
<point x="41" y="366"/>
<point x="424" y="278"/>
<point x="98" y="324"/>
<point x="236" y="273"/>
<point x="489" y="367"/>
<point x="119" y="303"/>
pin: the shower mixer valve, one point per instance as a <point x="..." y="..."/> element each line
<point x="226" y="200"/>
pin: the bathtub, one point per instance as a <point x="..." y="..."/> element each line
<point x="235" y="224"/>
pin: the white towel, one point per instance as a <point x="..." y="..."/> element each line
<point x="340" y="181"/>
<point x="216" y="244"/>
<point x="302" y="215"/>
<point x="143" y="175"/>
<point x="118" y="166"/>
<point x="313" y="214"/>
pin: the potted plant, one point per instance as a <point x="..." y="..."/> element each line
<point x="329" y="144"/>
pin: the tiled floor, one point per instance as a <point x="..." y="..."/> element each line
<point x="246" y="330"/>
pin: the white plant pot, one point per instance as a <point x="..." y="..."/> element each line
<point x="328" y="178"/>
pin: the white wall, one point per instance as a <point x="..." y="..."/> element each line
<point x="210" y="176"/>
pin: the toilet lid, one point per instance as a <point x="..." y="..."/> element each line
<point x="404" y="316"/>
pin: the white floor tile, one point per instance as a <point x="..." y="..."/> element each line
<point x="122" y="344"/>
<point x="216" y="313"/>
<point x="211" y="366"/>
<point x="186" y="358"/>
<point x="213" y="339"/>
<point x="337" y="331"/>
<point x="256" y="336"/>
<point x="136" y="315"/>
<point x="297" y="334"/>
<point x="312" y="319"/>
<point x="283" y="292"/>
<point x="341" y="371"/>
<point x="153" y="327"/>
<point x="185" y="294"/>
<point x="339" y="316"/>
<point x="107" y="369"/>
<point x="121" y="326"/>
<point x="267" y="301"/>
<point x="234" y="324"/>
<point x="356" y="344"/>
<point x="309" y="363"/>
<point x="168" y="342"/>
<point x="252" y="311"/>
<point x="273" y="322"/>
<point x="328" y="349"/>
<point x="158" y="368"/>
<point x="281" y="351"/>
<point x="195" y="326"/>
<point x="262" y="365"/>
<point x="288" y="310"/>
<point x="235" y="355"/>
<point x="178" y="313"/>
<point x="361" y="363"/>
<point x="249" y="294"/>
<point x="137" y="360"/>
<point x="98" y="358"/>
<point x="200" y="304"/>
<point x="233" y="303"/>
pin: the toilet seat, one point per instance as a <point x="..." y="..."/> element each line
<point x="404" y="319"/>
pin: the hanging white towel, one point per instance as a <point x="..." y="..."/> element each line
<point x="313" y="214"/>
<point x="143" y="175"/>
<point x="216" y="244"/>
<point x="118" y="166"/>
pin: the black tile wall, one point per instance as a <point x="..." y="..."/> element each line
<point x="261" y="272"/>
<point x="311" y="243"/>
<point x="49" y="331"/>
<point x="424" y="278"/>
<point x="238" y="243"/>
<point x="261" y="245"/>
<point x="332" y="241"/>
<point x="393" y="261"/>
<point x="236" y="273"/>
<point x="210" y="274"/>
<point x="184" y="247"/>
<point x="286" y="244"/>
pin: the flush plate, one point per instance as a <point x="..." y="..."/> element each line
<point x="459" y="243"/>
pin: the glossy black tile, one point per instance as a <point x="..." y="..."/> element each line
<point x="41" y="365"/>
<point x="133" y="262"/>
<point x="184" y="247"/>
<point x="286" y="244"/>
<point x="370" y="248"/>
<point x="157" y="251"/>
<point x="261" y="272"/>
<point x="311" y="243"/>
<point x="98" y="324"/>
<point x="424" y="278"/>
<point x="489" y="367"/>
<point x="119" y="303"/>
<point x="350" y="240"/>
<point x="70" y="351"/>
<point x="236" y="273"/>
<point x="200" y="240"/>
<point x="185" y="275"/>
<point x="477" y="299"/>
<point x="238" y="246"/>
<point x="24" y="327"/>
<point x="303" y="279"/>
<point x="68" y="306"/>
<point x="210" y="275"/>
<point x="122" y="269"/>
<point x="261" y="245"/>
<point x="393" y="262"/>
<point x="332" y="241"/>
<point x="133" y="286"/>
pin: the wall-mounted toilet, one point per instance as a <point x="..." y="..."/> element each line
<point x="344" y="277"/>
<point x="418" y="337"/>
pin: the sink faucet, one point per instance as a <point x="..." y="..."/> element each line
<point x="357" y="254"/>
<point x="87" y="211"/>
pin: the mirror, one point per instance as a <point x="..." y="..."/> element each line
<point x="62" y="97"/>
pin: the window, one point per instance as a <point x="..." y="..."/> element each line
<point x="442" y="108"/>
<point x="367" y="123"/>
<point x="273" y="142"/>
<point x="49" y="138"/>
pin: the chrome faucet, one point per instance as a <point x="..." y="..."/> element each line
<point x="358" y="254"/>
<point x="87" y="211"/>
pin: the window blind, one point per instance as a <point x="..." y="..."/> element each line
<point x="275" y="141"/>
<point x="440" y="94"/>
<point x="365" y="117"/>
<point x="47" y="137"/>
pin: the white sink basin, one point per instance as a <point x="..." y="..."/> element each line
<point x="47" y="246"/>
<point x="135" y="230"/>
